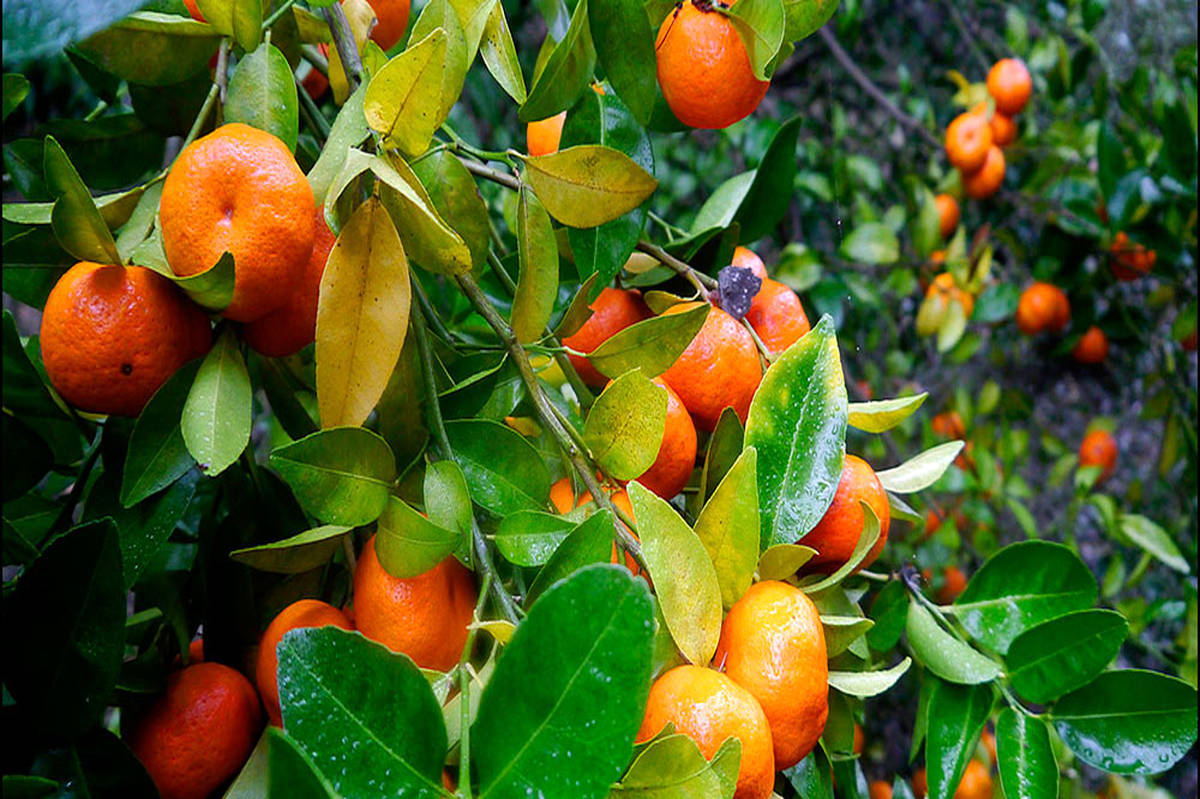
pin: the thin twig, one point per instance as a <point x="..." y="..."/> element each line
<point x="347" y="48"/>
<point x="222" y="70"/>
<point x="971" y="38"/>
<point x="494" y="175"/>
<point x="703" y="283"/>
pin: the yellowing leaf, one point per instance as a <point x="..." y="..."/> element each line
<point x="404" y="98"/>
<point x="588" y="185"/>
<point x="362" y="316"/>
<point x="728" y="527"/>
<point x="624" y="429"/>
<point x="537" y="283"/>
<point x="441" y="14"/>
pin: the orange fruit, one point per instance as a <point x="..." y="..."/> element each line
<point x="919" y="785"/>
<point x="238" y="189"/>
<point x="947" y="208"/>
<point x="988" y="178"/>
<point x="1004" y="130"/>
<point x="392" y="20"/>
<point x="944" y="286"/>
<point x="949" y="425"/>
<point x="968" y="139"/>
<point x="562" y="496"/>
<point x="542" y="137"/>
<point x="1041" y="307"/>
<point x="933" y="520"/>
<point x="425" y="617"/>
<point x="1092" y="347"/>
<point x="704" y="70"/>
<point x="298" y="615"/>
<point x="772" y="644"/>
<point x="954" y="583"/>
<point x="314" y="82"/>
<point x="1130" y="260"/>
<point x="1010" y="85"/>
<point x="198" y="734"/>
<point x="112" y="335"/>
<point x="859" y="740"/>
<point x="976" y="783"/>
<point x="708" y="707"/>
<point x="777" y="316"/>
<point x="612" y="311"/>
<point x="1099" y="448"/>
<point x="719" y="369"/>
<point x="836" y="535"/>
<point x="937" y="257"/>
<point x="879" y="789"/>
<point x="745" y="258"/>
<point x="293" y="325"/>
<point x="677" y="454"/>
<point x="989" y="743"/>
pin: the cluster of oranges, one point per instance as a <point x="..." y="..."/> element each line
<point x="1044" y="308"/>
<point x="974" y="140"/>
<point x="112" y="335"/>
<point x="200" y="731"/>
<point x="1129" y="260"/>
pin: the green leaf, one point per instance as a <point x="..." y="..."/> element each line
<point x="685" y="579"/>
<point x="943" y="654"/>
<point x="651" y="345"/>
<point x="882" y="415"/>
<point x="1021" y="586"/>
<point x="500" y="56"/>
<point x="672" y="767"/>
<point x="841" y="631"/>
<point x="16" y="89"/>
<point x="954" y="722"/>
<point x="566" y="74"/>
<point x="1024" y="757"/>
<point x="530" y="537"/>
<point x="1063" y="654"/>
<point x="953" y="325"/>
<point x="66" y="617"/>
<point x="456" y="199"/>
<point x="295" y="555"/>
<point x="33" y="29"/>
<point x="504" y="471"/>
<point x="152" y="49"/>
<point x="812" y="777"/>
<point x="217" y="414"/>
<point x="560" y="712"/>
<point x="1129" y="721"/>
<point x="797" y="423"/>
<point x="624" y="42"/>
<point x="871" y="243"/>
<point x="624" y="428"/>
<point x="868" y="683"/>
<point x="292" y="772"/>
<point x="728" y="528"/>
<point x="724" y="447"/>
<point x="403" y="100"/>
<point x="349" y="130"/>
<point x="77" y="222"/>
<point x="921" y="471"/>
<point x="590" y="542"/>
<point x="407" y="543"/>
<point x="241" y="19"/>
<point x="760" y="25"/>
<point x="211" y="289"/>
<point x="447" y="498"/>
<point x="1154" y="539"/>
<point x="804" y="17"/>
<point x="262" y="93"/>
<point x="589" y="184"/>
<point x="1110" y="159"/>
<point x="157" y="455"/>
<point x="341" y="475"/>
<point x="363" y="714"/>
<point x="537" y="282"/>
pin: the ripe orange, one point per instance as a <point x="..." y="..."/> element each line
<point x="949" y="425"/>
<point x="677" y="454"/>
<point x="1004" y="130"/>
<point x="392" y="16"/>
<point x="542" y="137"/>
<point x="988" y="178"/>
<point x="612" y="311"/>
<point x="719" y="369"/>
<point x="745" y="258"/>
<point x="944" y="286"/>
<point x="425" y="617"/>
<point x="954" y="581"/>
<point x="1092" y="346"/>
<point x="709" y="707"/>
<point x="298" y="615"/>
<point x="562" y="496"/>
<point x="968" y="139"/>
<point x="976" y="783"/>
<point x="933" y="520"/>
<point x="704" y="70"/>
<point x="937" y="258"/>
<point x="1041" y="307"/>
<point x="1010" y="85"/>
<point x="836" y="535"/>
<point x="777" y="316"/>
<point x="1130" y="260"/>
<point x="880" y="789"/>
<point x="1099" y="448"/>
<point x="112" y="335"/>
<point x="293" y="326"/>
<point x="199" y="732"/>
<point x="859" y="740"/>
<point x="919" y="785"/>
<point x="772" y="644"/>
<point x="989" y="743"/>
<point x="947" y="208"/>
<point x="238" y="189"/>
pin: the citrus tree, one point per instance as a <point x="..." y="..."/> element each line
<point x="361" y="448"/>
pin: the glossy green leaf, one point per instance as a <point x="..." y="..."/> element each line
<point x="954" y="723"/>
<point x="797" y="423"/>
<point x="403" y="100"/>
<point x="589" y="184"/>
<point x="529" y="537"/>
<point x="1021" y="586"/>
<point x="341" y="475"/>
<point x="297" y="554"/>
<point x="292" y="772"/>
<point x="1129" y="721"/>
<point x="651" y="345"/>
<point x="447" y="497"/>
<point x="152" y="49"/>
<point x="868" y="683"/>
<point x="262" y="93"/>
<point x="157" y="455"/>
<point x="457" y="200"/>
<point x="889" y="610"/>
<point x="407" y="543"/>
<point x="672" y="767"/>
<point x="566" y="73"/>
<point x="624" y="429"/>
<point x="812" y="777"/>
<point x="364" y="715"/>
<point x="560" y="712"/>
<point x="504" y="471"/>
<point x="921" y="471"/>
<point x="1063" y="654"/>
<point x="589" y="542"/>
<point x="728" y="528"/>
<point x="724" y="447"/>
<point x="1024" y="757"/>
<point x="804" y="17"/>
<point x="16" y="89"/>
<point x="241" y="19"/>
<point x="1154" y="539"/>
<point x="217" y="414"/>
<point x="500" y="56"/>
<point x="841" y="631"/>
<point x="685" y="579"/>
<point x="783" y="560"/>
<point x="871" y="243"/>
<point x="943" y="654"/>
<point x="882" y="415"/>
<point x="77" y="223"/>
<point x="537" y="282"/>
<point x="211" y="289"/>
<point x="759" y="24"/>
<point x="624" y="42"/>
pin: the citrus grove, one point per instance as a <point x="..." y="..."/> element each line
<point x="479" y="400"/>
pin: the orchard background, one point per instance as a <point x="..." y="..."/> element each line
<point x="250" y="482"/>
